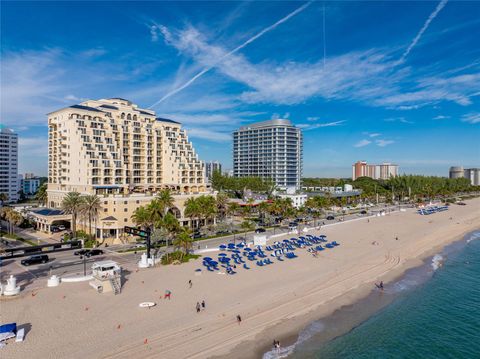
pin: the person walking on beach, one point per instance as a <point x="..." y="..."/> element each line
<point x="167" y="294"/>
<point x="203" y="305"/>
<point x="190" y="283"/>
<point x="239" y="319"/>
<point x="198" y="307"/>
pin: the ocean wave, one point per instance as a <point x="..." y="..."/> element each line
<point x="437" y="261"/>
<point x="475" y="235"/>
<point x="305" y="334"/>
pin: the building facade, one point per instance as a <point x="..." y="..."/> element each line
<point x="271" y="150"/>
<point x="211" y="167"/>
<point x="9" y="164"/>
<point x="125" y="155"/>
<point x="473" y="175"/>
<point x="456" y="172"/>
<point x="383" y="171"/>
<point x="29" y="185"/>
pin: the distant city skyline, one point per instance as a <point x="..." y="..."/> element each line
<point x="385" y="82"/>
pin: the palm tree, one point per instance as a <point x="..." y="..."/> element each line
<point x="41" y="196"/>
<point x="141" y="217"/>
<point x="183" y="241"/>
<point x="247" y="226"/>
<point x="208" y="207"/>
<point x="222" y="203"/>
<point x="170" y="226"/>
<point x="165" y="199"/>
<point x="12" y="217"/>
<point x="192" y="209"/>
<point x="72" y="204"/>
<point x="90" y="209"/>
<point x="3" y="197"/>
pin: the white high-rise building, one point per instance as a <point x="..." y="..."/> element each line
<point x="9" y="164"/>
<point x="270" y="149"/>
<point x="211" y="167"/>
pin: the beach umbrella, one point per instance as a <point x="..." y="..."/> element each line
<point x="248" y="249"/>
<point x="208" y="259"/>
<point x="222" y="254"/>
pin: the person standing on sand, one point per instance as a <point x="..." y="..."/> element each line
<point x="203" y="305"/>
<point x="167" y="294"/>
<point x="190" y="283"/>
<point x="239" y="319"/>
<point x="198" y="307"/>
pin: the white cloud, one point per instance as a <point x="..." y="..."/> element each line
<point x="309" y="126"/>
<point x="472" y="118"/>
<point x="362" y="143"/>
<point x="225" y="55"/>
<point x="369" y="76"/>
<point x="383" y="143"/>
<point x="374" y="134"/>
<point x="441" y="117"/>
<point x="97" y="52"/>
<point x="313" y="118"/>
<point x="207" y="134"/>
<point x="432" y="16"/>
<point x="154" y="33"/>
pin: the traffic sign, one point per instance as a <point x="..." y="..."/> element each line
<point x="137" y="232"/>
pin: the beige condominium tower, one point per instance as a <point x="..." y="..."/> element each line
<point x="122" y="153"/>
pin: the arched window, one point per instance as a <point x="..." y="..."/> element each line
<point x="129" y="117"/>
<point x="122" y="116"/>
<point x="134" y="117"/>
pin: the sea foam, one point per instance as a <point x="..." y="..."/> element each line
<point x="305" y="334"/>
<point x="437" y="261"/>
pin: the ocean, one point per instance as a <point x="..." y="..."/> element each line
<point x="433" y="311"/>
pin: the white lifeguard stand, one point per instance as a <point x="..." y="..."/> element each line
<point x="107" y="277"/>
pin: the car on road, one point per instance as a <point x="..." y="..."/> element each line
<point x="197" y="235"/>
<point x="35" y="259"/>
<point x="54" y="229"/>
<point x="94" y="252"/>
<point x="292" y="225"/>
<point x="81" y="252"/>
<point x="363" y="212"/>
<point x="330" y="218"/>
<point x="61" y="227"/>
<point x="260" y="230"/>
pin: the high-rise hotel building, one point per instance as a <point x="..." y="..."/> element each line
<point x="9" y="164"/>
<point x="122" y="153"/>
<point x="270" y="149"/>
<point x="383" y="171"/>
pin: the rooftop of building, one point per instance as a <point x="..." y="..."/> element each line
<point x="113" y="103"/>
<point x="269" y="123"/>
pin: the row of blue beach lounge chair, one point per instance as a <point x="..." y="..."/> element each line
<point x="431" y="210"/>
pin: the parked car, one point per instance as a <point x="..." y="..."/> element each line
<point x="35" y="259"/>
<point x="81" y="252"/>
<point x="330" y="218"/>
<point x="94" y="252"/>
<point x="260" y="230"/>
<point x="54" y="229"/>
<point x="61" y="227"/>
<point x="292" y="225"/>
<point x="197" y="235"/>
<point x="363" y="212"/>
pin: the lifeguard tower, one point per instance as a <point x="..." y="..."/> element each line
<point x="107" y="277"/>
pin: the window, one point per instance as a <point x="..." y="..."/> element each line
<point x="125" y="209"/>
<point x="105" y="209"/>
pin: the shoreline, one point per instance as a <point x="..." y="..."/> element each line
<point x="276" y="302"/>
<point x="289" y="330"/>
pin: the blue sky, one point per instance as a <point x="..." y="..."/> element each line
<point x="385" y="81"/>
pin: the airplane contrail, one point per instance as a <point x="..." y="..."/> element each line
<point x="238" y="48"/>
<point x="432" y="16"/>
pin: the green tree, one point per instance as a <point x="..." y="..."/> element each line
<point x="72" y="204"/>
<point x="90" y="208"/>
<point x="192" y="210"/>
<point x="41" y="195"/>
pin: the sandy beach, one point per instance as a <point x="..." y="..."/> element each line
<point x="275" y="301"/>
